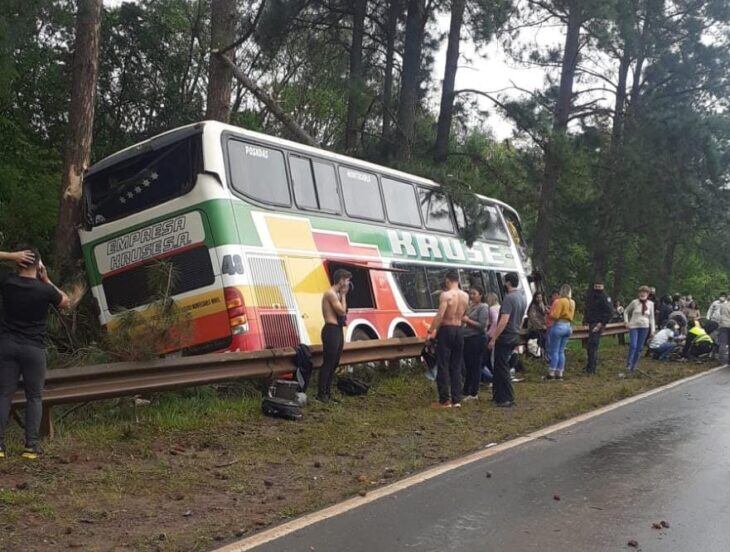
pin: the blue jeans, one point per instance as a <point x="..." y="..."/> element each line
<point x="558" y="338"/>
<point x="637" y="338"/>
<point x="662" y="352"/>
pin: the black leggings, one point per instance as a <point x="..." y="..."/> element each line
<point x="332" y="343"/>
<point x="450" y="355"/>
<point x="475" y="347"/>
<point x="18" y="359"/>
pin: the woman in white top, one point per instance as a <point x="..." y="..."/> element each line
<point x="639" y="317"/>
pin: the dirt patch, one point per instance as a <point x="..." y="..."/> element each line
<point x="198" y="470"/>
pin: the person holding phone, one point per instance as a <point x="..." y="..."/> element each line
<point x="334" y="312"/>
<point x="26" y="295"/>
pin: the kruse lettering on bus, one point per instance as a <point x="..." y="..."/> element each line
<point x="154" y="249"/>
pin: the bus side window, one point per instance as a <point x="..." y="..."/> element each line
<point x="258" y="172"/>
<point x="361" y="192"/>
<point x="436" y="276"/>
<point x="303" y="182"/>
<point x="326" y="182"/>
<point x="471" y="277"/>
<point x="492" y="282"/>
<point x="400" y="202"/>
<point x="436" y="210"/>
<point x="361" y="293"/>
<point x="413" y="286"/>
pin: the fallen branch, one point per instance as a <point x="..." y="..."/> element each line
<point x="266" y="99"/>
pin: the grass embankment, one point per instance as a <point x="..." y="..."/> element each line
<point x="198" y="468"/>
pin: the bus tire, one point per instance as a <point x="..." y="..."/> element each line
<point x="360" y="334"/>
<point x="402" y="331"/>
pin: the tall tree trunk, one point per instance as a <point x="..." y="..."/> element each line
<point x="265" y="98"/>
<point x="605" y="236"/>
<point x="410" y="78"/>
<point x="77" y="152"/>
<point x="554" y="154"/>
<point x="391" y="28"/>
<point x="443" y="132"/>
<point x="356" y="84"/>
<point x="222" y="29"/>
<point x="619" y="108"/>
<point x="619" y="272"/>
<point x="668" y="264"/>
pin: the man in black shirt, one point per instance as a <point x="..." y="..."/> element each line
<point x="597" y="314"/>
<point x="506" y="338"/>
<point x="26" y="296"/>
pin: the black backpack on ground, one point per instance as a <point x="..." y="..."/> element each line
<point x="281" y="408"/>
<point x="352" y="386"/>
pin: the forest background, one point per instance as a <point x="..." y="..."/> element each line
<point x="618" y="163"/>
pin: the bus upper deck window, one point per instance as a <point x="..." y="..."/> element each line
<point x="436" y="210"/>
<point x="362" y="194"/>
<point x="258" y="172"/>
<point x="401" y="203"/>
<point x="326" y="181"/>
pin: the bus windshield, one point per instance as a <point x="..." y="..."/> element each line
<point x="142" y="182"/>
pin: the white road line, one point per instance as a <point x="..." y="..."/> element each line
<point x="355" y="502"/>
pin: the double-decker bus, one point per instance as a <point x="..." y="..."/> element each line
<point x="255" y="226"/>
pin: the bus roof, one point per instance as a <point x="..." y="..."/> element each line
<point x="170" y="136"/>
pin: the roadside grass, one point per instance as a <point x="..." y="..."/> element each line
<point x="203" y="466"/>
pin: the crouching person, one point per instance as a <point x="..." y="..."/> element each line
<point x="664" y="342"/>
<point x="26" y="294"/>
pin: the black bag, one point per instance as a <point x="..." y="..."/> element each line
<point x="352" y="386"/>
<point x="281" y="408"/>
<point x="428" y="354"/>
<point x="285" y="389"/>
<point x="303" y="362"/>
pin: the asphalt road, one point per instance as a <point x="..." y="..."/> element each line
<point x="666" y="457"/>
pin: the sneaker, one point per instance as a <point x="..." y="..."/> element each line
<point x="550" y="377"/>
<point x="470" y="398"/>
<point x="439" y="405"/>
<point x="31" y="453"/>
<point x="506" y="404"/>
<point x="457" y="405"/>
<point x="559" y="377"/>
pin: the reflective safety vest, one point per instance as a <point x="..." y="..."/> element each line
<point x="700" y="335"/>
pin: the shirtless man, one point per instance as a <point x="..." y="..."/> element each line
<point x="446" y="328"/>
<point x="334" y="311"/>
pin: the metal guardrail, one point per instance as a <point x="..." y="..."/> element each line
<point x="104" y="381"/>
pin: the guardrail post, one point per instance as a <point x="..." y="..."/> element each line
<point x="47" y="422"/>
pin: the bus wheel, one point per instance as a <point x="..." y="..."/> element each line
<point x="359" y="334"/>
<point x="365" y="370"/>
<point x="400" y="332"/>
<point x="404" y="363"/>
